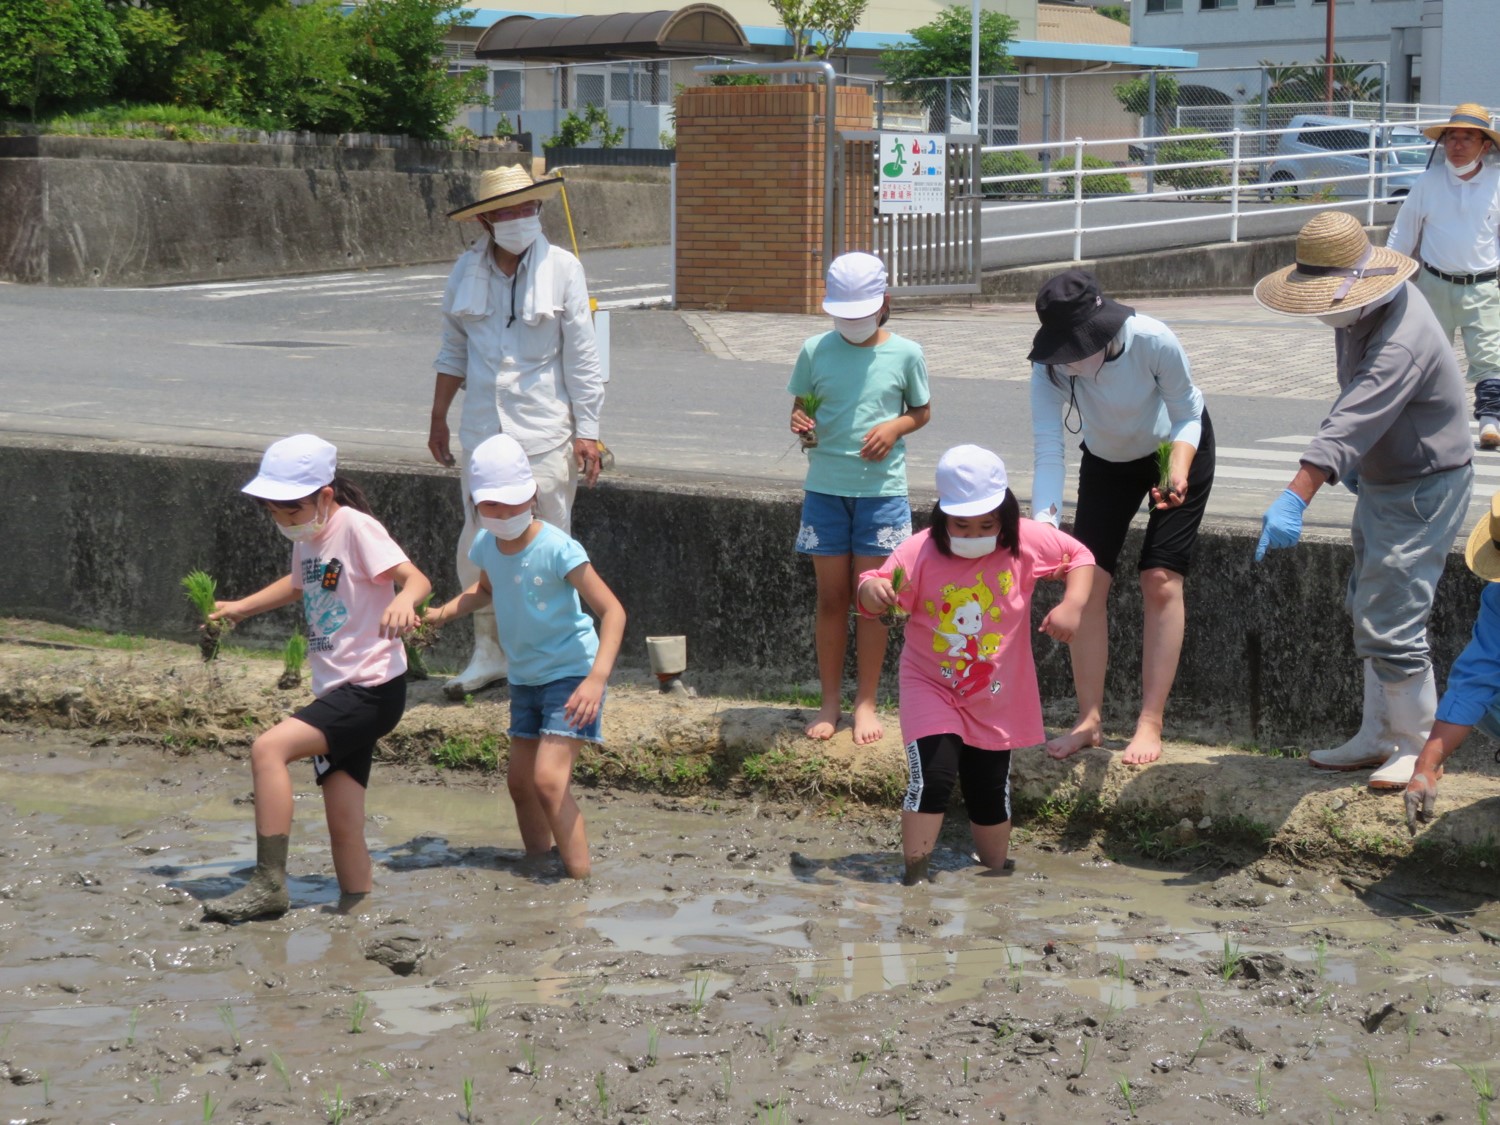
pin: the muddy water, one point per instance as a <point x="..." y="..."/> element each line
<point x="727" y="963"/>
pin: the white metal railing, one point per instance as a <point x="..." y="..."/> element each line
<point x="1244" y="178"/>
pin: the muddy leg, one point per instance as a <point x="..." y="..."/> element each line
<point x="831" y="639"/>
<point x="265" y="895"/>
<point x="992" y="842"/>
<point x="919" y="833"/>
<point x="1089" y="652"/>
<point x="520" y="779"/>
<point x="554" y="774"/>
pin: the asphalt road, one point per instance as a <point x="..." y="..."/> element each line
<point x="236" y="365"/>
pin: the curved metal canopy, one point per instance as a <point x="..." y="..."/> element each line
<point x="697" y="29"/>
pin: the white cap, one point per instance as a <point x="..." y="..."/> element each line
<point x="499" y="471"/>
<point x="855" y="286"/>
<point x="294" y="467"/>
<point x="970" y="481"/>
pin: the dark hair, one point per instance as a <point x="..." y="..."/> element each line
<point x="346" y="494"/>
<point x="1009" y="538"/>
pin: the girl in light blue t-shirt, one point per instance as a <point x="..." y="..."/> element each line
<point x="534" y="575"/>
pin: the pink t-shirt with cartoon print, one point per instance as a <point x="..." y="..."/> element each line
<point x="966" y="666"/>
<point x="344" y="606"/>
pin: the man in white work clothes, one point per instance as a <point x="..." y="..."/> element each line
<point x="519" y="340"/>
<point x="1450" y="223"/>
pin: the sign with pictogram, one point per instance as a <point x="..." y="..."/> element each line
<point x="913" y="174"/>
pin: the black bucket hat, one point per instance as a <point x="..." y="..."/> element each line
<point x="1077" y="319"/>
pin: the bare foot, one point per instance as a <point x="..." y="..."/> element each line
<point x="1081" y="737"/>
<point x="1144" y="749"/>
<point x="867" y="726"/>
<point x="826" y="723"/>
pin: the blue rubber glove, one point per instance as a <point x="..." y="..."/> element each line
<point x="1281" y="526"/>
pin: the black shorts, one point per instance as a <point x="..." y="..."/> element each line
<point x="1110" y="494"/>
<point x="352" y="719"/>
<point x="936" y="761"/>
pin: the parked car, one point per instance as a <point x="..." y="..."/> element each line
<point x="1311" y="150"/>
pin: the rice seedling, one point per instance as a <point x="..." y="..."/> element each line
<point x="226" y="1017"/>
<point x="335" y="1107"/>
<point x="1088" y="1051"/>
<point x="1229" y="964"/>
<point x="726" y="1072"/>
<point x="1374" y="1076"/>
<point x="293" y="653"/>
<point x="46" y="1089"/>
<point x="888" y="1041"/>
<point x="469" y="1100"/>
<point x="775" y="1113"/>
<point x="700" y="993"/>
<point x="418" y="641"/>
<point x="772" y="1032"/>
<point x="1479" y="1078"/>
<point x="966" y="1070"/>
<point x="601" y="1092"/>
<point x="135" y="1017"/>
<point x="156" y="1086"/>
<point x="1123" y="1085"/>
<point x="479" y="1011"/>
<point x="280" y="1068"/>
<point x="810" y="404"/>
<point x="893" y="615"/>
<point x="357" y="1014"/>
<point x="528" y="1057"/>
<point x="1411" y="1030"/>
<point x="379" y="1068"/>
<point x="1320" y="955"/>
<point x="653" y="1034"/>
<point x="1164" y="469"/>
<point x="210" y="1107"/>
<point x="1013" y="971"/>
<point x="203" y="592"/>
<point x="1262" y="1099"/>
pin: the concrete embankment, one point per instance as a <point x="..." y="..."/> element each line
<point x="99" y="534"/>
<point x="106" y="211"/>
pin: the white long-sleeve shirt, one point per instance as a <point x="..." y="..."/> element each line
<point x="1450" y="224"/>
<point x="1139" y="399"/>
<point x="537" y="379"/>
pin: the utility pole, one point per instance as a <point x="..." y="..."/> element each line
<point x="1328" y="56"/>
<point x="973" y="67"/>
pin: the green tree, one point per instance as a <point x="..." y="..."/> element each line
<point x="942" y="47"/>
<point x="150" y="38"/>
<point x="1120" y="13"/>
<point x="300" y="69"/>
<point x="835" y="21"/>
<point x="1135" y="96"/>
<point x="398" y="62"/>
<point x="55" y="53"/>
<point x="1351" y="82"/>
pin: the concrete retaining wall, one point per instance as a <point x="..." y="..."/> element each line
<point x="99" y="536"/>
<point x="1187" y="271"/>
<point x="103" y="211"/>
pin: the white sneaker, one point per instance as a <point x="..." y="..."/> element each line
<point x="1489" y="432"/>
<point x="1411" y="706"/>
<point x="1372" y="745"/>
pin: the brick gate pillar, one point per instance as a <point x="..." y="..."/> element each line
<point x="750" y="195"/>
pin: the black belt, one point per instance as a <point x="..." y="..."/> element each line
<point x="1463" y="278"/>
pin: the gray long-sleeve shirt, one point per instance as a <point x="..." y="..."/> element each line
<point x="1401" y="411"/>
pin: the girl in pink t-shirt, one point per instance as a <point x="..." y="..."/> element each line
<point x="968" y="683"/>
<point x="345" y="571"/>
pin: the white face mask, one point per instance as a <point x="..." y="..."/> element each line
<point x="514" y="235"/>
<point x="973" y="547"/>
<point x="512" y="527"/>
<point x="1340" y="319"/>
<point x="306" y="532"/>
<point x="857" y="331"/>
<point x="1459" y="171"/>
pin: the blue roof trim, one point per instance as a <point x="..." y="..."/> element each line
<point x="483" y="17"/>
<point x="1019" y="48"/>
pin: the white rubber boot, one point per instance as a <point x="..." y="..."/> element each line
<point x="487" y="666"/>
<point x="1411" y="707"/>
<point x="1373" y="744"/>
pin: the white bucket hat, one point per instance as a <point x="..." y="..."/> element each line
<point x="971" y="481"/>
<point x="294" y="467"/>
<point x="855" y="286"/>
<point x="500" y="472"/>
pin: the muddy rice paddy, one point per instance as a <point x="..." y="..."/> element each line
<point x="729" y="962"/>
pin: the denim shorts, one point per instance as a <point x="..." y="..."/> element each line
<point x="853" y="525"/>
<point x="538" y="710"/>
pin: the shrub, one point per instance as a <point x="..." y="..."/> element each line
<point x="1010" y="164"/>
<point x="1193" y="146"/>
<point x="1109" y="182"/>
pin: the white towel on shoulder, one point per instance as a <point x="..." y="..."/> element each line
<point x="537" y="298"/>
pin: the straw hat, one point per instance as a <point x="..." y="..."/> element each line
<point x="1470" y="115"/>
<point x="1482" y="552"/>
<point x="506" y="187"/>
<point x="1336" y="269"/>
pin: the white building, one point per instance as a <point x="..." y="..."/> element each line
<point x="1440" y="52"/>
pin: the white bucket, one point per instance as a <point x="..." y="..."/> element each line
<point x="668" y="655"/>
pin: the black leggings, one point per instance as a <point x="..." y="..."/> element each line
<point x="1110" y="494"/>
<point x="936" y="761"/>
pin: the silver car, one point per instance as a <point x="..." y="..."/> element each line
<point x="1317" y="149"/>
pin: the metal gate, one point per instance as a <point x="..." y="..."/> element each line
<point x="925" y="255"/>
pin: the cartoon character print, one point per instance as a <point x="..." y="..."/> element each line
<point x="326" y="615"/>
<point x="959" y="635"/>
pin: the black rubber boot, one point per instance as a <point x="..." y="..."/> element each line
<point x="265" y="895"/>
